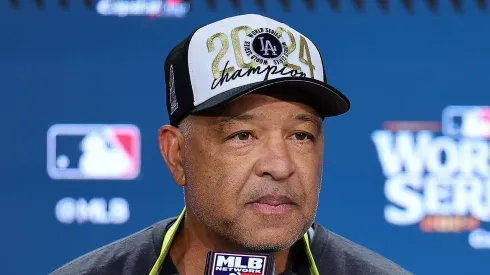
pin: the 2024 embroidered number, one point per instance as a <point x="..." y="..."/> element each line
<point x="304" y="51"/>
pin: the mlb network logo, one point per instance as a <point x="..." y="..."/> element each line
<point x="93" y="151"/>
<point x="238" y="264"/>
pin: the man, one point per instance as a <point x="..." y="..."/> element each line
<point x="246" y="98"/>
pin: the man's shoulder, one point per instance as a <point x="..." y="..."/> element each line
<point x="335" y="254"/>
<point x="134" y="254"/>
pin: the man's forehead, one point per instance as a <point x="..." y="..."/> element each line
<point x="262" y="106"/>
<point x="260" y="117"/>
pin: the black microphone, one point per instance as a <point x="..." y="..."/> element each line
<point x="239" y="263"/>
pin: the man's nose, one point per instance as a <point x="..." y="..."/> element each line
<point x="275" y="159"/>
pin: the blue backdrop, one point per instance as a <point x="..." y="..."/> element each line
<point x="387" y="186"/>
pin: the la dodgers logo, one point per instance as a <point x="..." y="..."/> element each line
<point x="264" y="45"/>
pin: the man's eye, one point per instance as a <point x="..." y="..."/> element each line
<point x="242" y="135"/>
<point x="302" y="136"/>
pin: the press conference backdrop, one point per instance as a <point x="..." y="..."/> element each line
<point x="406" y="170"/>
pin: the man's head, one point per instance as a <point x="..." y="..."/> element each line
<point x="251" y="170"/>
<point x="246" y="98"/>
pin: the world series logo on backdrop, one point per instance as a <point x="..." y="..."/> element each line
<point x="438" y="174"/>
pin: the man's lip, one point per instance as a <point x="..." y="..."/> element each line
<point x="273" y="200"/>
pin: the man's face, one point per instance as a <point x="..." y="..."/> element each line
<point x="253" y="171"/>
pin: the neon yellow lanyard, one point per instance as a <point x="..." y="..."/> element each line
<point x="170" y="234"/>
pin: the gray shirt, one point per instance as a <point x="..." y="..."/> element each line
<point x="137" y="253"/>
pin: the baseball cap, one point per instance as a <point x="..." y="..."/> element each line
<point x="229" y="58"/>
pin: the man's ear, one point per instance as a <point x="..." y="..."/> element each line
<point x="171" y="143"/>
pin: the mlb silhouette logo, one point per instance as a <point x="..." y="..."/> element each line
<point x="466" y="121"/>
<point x="93" y="151"/>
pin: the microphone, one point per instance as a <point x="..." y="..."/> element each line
<point x="239" y="263"/>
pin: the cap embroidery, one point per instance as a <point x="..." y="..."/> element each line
<point x="171" y="86"/>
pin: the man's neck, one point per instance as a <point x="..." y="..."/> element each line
<point x="192" y="243"/>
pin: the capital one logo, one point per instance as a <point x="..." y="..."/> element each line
<point x="238" y="264"/>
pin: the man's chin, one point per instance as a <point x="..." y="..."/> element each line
<point x="270" y="241"/>
<point x="267" y="247"/>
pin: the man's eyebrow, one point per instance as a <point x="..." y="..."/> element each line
<point x="309" y="118"/>
<point x="233" y="118"/>
<point x="247" y="117"/>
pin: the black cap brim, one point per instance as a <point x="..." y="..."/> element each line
<point x="328" y="100"/>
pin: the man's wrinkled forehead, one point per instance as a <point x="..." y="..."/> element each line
<point x="247" y="109"/>
<point x="299" y="117"/>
